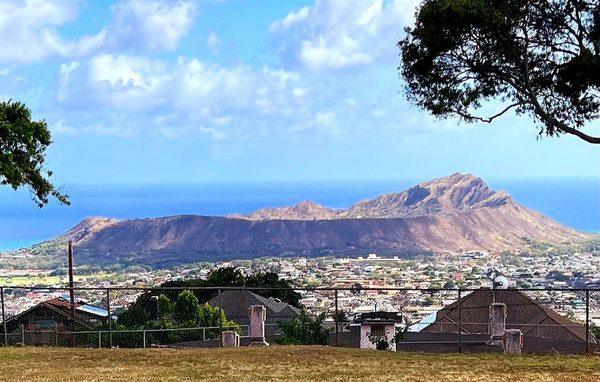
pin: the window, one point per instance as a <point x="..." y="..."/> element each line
<point x="45" y="324"/>
<point x="378" y="330"/>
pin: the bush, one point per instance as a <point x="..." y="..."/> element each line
<point x="382" y="343"/>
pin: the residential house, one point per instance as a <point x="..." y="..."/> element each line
<point x="47" y="322"/>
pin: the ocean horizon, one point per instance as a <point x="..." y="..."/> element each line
<point x="574" y="202"/>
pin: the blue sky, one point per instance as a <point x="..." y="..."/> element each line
<point x="201" y="91"/>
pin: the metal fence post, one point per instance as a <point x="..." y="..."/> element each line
<point x="99" y="339"/>
<point x="459" y="320"/>
<point x="337" y="324"/>
<point x="110" y="343"/>
<point x="55" y="334"/>
<point x="220" y="325"/>
<point x="22" y="334"/>
<point x="3" y="317"/>
<point x="587" y="321"/>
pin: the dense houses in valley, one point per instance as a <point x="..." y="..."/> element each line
<point x="437" y="277"/>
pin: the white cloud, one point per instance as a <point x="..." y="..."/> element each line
<point x="151" y="24"/>
<point x="29" y="30"/>
<point x="213" y="40"/>
<point x="172" y="133"/>
<point x="299" y="92"/>
<point x="336" y="34"/>
<point x="325" y="118"/>
<point x="291" y="19"/>
<point x="138" y="83"/>
<point x="60" y="128"/>
<point x="64" y="75"/>
<point x="119" y="86"/>
<point x="187" y="95"/>
<point x="173" y="99"/>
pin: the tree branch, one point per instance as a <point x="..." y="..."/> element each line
<point x="578" y="133"/>
<point x="560" y="126"/>
<point x="488" y="119"/>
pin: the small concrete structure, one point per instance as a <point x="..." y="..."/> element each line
<point x="256" y="330"/>
<point x="497" y="322"/>
<point x="230" y="339"/>
<point x="369" y="326"/>
<point x="512" y="342"/>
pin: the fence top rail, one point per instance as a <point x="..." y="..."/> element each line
<point x="200" y="328"/>
<point x="486" y="323"/>
<point x="307" y="289"/>
<point x="105" y="331"/>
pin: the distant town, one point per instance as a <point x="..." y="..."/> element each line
<point x="543" y="267"/>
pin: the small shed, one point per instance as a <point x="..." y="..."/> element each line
<point x="369" y="328"/>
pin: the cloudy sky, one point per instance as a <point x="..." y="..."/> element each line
<point x="200" y="91"/>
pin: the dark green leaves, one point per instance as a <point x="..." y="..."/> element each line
<point x="304" y="330"/>
<point x="539" y="58"/>
<point x="23" y="144"/>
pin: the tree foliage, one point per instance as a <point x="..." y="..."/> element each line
<point x="185" y="313"/>
<point x="134" y="317"/>
<point x="537" y="58"/>
<point x="164" y="306"/>
<point x="304" y="330"/>
<point x="187" y="308"/>
<point x="232" y="277"/>
<point x="23" y="145"/>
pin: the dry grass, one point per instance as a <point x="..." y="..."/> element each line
<point x="284" y="363"/>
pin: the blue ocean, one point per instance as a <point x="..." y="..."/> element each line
<point x="574" y="202"/>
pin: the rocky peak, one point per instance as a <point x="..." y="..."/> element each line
<point x="447" y="195"/>
<point x="305" y="210"/>
<point x="459" y="191"/>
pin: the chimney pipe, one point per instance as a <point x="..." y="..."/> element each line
<point x="497" y="323"/>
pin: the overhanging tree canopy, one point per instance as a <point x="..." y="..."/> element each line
<point x="538" y="58"/>
<point x="23" y="144"/>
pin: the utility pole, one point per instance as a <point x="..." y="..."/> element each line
<point x="337" y="318"/>
<point x="460" y="344"/>
<point x="71" y="285"/>
<point x="587" y="321"/>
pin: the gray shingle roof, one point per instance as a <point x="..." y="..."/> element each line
<point x="522" y="312"/>
<point x="235" y="304"/>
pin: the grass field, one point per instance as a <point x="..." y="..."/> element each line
<point x="284" y="363"/>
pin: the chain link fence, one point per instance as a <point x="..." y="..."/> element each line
<point x="405" y="319"/>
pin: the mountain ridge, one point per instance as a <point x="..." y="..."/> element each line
<point x="453" y="213"/>
<point x="453" y="193"/>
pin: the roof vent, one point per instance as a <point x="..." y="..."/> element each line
<point x="500" y="282"/>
